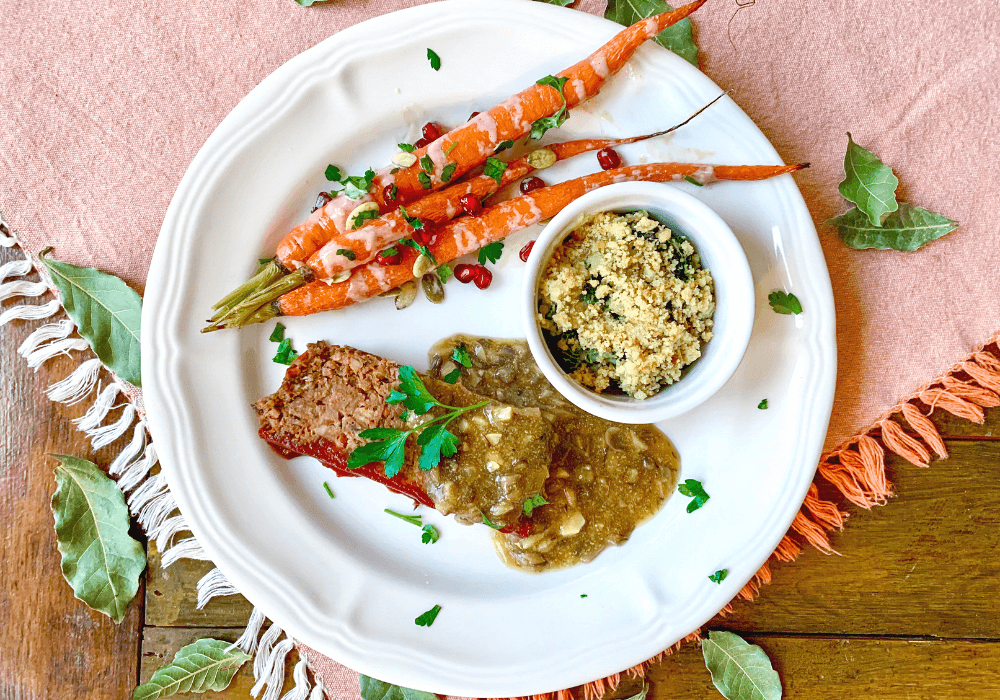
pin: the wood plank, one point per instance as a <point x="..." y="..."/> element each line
<point x="159" y="644"/>
<point x="51" y="645"/>
<point x="925" y="564"/>
<point x="834" y="669"/>
<point x="172" y="597"/>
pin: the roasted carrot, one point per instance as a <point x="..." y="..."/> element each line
<point x="468" y="234"/>
<point x="472" y="143"/>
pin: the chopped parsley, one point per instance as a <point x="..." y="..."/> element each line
<point x="461" y="355"/>
<point x="451" y="148"/>
<point x="406" y="147"/>
<point x="534" y="502"/>
<point x="285" y="353"/>
<point x="539" y="128"/>
<point x="494" y="168"/>
<point x="329" y="491"/>
<point x="413" y="221"/>
<point x="433" y="437"/>
<point x="422" y="249"/>
<point x="362" y="216"/>
<point x="784" y="303"/>
<point x="278" y="334"/>
<point x="434" y="59"/>
<point x="424" y="180"/>
<point x="583" y="595"/>
<point x="491" y="252"/>
<point x="448" y="171"/>
<point x="719" y="576"/>
<point x="347" y="252"/>
<point x="487" y="521"/>
<point x="427" y="619"/>
<point x="427" y="164"/>
<point x="693" y="181"/>
<point x="762" y="405"/>
<point x="693" y="489"/>
<point x="453" y="376"/>
<point x="354" y="187"/>
<point x="411" y="519"/>
<point x="503" y="146"/>
<point x="445" y="272"/>
<point x="430" y="534"/>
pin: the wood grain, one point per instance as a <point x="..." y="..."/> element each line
<point x="51" y="645"/>
<point x="159" y="644"/>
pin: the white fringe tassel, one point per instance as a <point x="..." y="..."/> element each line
<point x="187" y="548"/>
<point x="319" y="691"/>
<point x="15" y="268"/>
<point x="96" y="414"/>
<point x="212" y="585"/>
<point x="165" y="534"/>
<point x="60" y="347"/>
<point x="22" y="288"/>
<point x="275" y="676"/>
<point x="5" y="240"/>
<point x="30" y="312"/>
<point x="301" y="677"/>
<point x="78" y="385"/>
<point x="262" y="662"/>
<point x="106" y="434"/>
<point x="248" y="640"/>
<point x="50" y="331"/>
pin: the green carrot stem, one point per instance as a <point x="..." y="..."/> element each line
<point x="264" y="277"/>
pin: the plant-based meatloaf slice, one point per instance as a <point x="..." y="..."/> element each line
<point x="331" y="393"/>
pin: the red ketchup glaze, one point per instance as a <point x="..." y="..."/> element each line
<point x="331" y="457"/>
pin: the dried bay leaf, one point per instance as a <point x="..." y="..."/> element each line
<point x="740" y="670"/>
<point x="678" y="38"/>
<point x="100" y="560"/>
<point x="374" y="689"/>
<point x="107" y="312"/>
<point x="207" y="664"/>
<point x="868" y="183"/>
<point x="906" y="229"/>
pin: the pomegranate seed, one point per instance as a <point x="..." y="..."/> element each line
<point x="529" y="184"/>
<point x="483" y="277"/>
<point x="473" y="116"/>
<point x="321" y="199"/>
<point x="425" y="235"/>
<point x="471" y="204"/>
<point x="391" y="259"/>
<point x="389" y="193"/>
<point x="526" y="251"/>
<point x="431" y="131"/>
<point x="608" y="158"/>
<point x="421" y="143"/>
<point x="465" y="273"/>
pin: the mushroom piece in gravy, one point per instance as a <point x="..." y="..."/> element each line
<point x="605" y="478"/>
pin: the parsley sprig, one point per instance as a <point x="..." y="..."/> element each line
<point x="539" y="128"/>
<point x="353" y="186"/>
<point x="693" y="489"/>
<point x="491" y="252"/>
<point x="430" y="533"/>
<point x="388" y="445"/>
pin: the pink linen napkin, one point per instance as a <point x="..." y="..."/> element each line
<point x="103" y="106"/>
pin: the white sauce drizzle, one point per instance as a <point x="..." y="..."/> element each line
<point x="704" y="175"/>
<point x="600" y="65"/>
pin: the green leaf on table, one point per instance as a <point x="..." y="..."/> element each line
<point x="740" y="670"/>
<point x="107" y="312"/>
<point x="100" y="560"/>
<point x="906" y="229"/>
<point x="373" y="689"/>
<point x="868" y="182"/>
<point x="207" y="664"/>
<point x="677" y="38"/>
<point x="693" y="489"/>
<point x="784" y="303"/>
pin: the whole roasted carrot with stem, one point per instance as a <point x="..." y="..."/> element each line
<point x="468" y="234"/>
<point x="470" y="144"/>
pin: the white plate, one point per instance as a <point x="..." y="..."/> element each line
<point x="349" y="580"/>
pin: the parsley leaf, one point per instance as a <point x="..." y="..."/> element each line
<point x="461" y="355"/>
<point x="418" y="399"/>
<point x="539" y="128"/>
<point x="422" y="249"/>
<point x="437" y="442"/>
<point x="762" y="405"/>
<point x="427" y="619"/>
<point x="448" y="171"/>
<point x="430" y="534"/>
<point x="451" y="148"/>
<point x="361" y="217"/>
<point x="278" y="334"/>
<point x="487" y="521"/>
<point x="444" y="272"/>
<point x="453" y="376"/>
<point x="347" y="252"/>
<point x="383" y="447"/>
<point x="491" y="252"/>
<point x="357" y="187"/>
<point x="693" y="181"/>
<point x="424" y="180"/>
<point x="413" y="221"/>
<point x="427" y="164"/>
<point x="329" y="491"/>
<point x="407" y="147"/>
<point x="693" y="489"/>
<point x="784" y="303"/>
<point x="534" y="502"/>
<point x="494" y="168"/>
<point x="285" y="353"/>
<point x="434" y="59"/>
<point x="503" y="146"/>
<point x="333" y="173"/>
<point x="719" y="576"/>
<point x="417" y="520"/>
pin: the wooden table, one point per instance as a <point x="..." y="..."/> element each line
<point x="909" y="609"/>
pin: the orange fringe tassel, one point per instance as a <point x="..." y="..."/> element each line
<point x="858" y="474"/>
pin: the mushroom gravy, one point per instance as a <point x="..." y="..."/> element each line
<point x="604" y="479"/>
